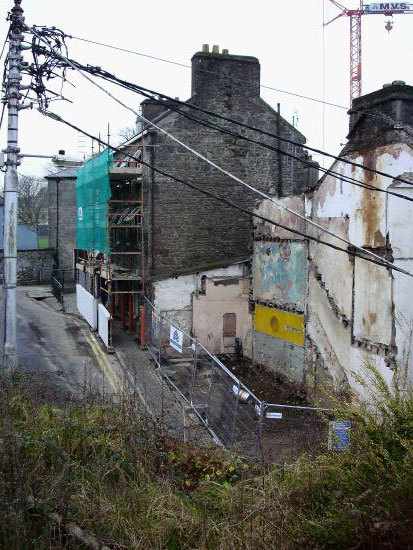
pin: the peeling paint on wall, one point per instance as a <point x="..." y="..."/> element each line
<point x="280" y="272"/>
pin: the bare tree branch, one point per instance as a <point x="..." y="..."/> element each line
<point x="126" y="133"/>
<point x="32" y="201"/>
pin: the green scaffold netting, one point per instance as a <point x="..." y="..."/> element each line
<point x="93" y="194"/>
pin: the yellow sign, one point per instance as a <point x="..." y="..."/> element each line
<point x="280" y="324"/>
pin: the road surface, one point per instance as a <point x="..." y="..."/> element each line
<point x="60" y="348"/>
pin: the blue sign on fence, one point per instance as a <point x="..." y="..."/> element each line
<point x="339" y="435"/>
<point x="176" y="338"/>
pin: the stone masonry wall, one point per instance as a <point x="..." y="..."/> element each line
<point x="33" y="266"/>
<point x="191" y="229"/>
<point x="62" y="225"/>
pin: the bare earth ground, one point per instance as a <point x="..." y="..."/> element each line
<point x="268" y="386"/>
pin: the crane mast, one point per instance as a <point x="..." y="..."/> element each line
<point x="376" y="8"/>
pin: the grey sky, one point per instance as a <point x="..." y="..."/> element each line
<point x="286" y="36"/>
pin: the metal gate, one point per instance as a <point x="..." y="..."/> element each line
<point x="63" y="282"/>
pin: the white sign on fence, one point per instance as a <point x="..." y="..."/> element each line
<point x="176" y="338"/>
<point x="274" y="415"/>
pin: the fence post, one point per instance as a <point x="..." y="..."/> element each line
<point x="191" y="390"/>
<point x="160" y="340"/>
<point x="258" y="442"/>
<point x="235" y="415"/>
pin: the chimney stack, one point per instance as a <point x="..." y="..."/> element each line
<point x="391" y="108"/>
<point x="212" y="71"/>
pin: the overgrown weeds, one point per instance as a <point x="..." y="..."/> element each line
<point x="107" y="469"/>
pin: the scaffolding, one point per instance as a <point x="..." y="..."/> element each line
<point x="110" y="259"/>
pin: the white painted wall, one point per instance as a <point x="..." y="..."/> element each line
<point x="372" y="302"/>
<point x="210" y="308"/>
<point x="87" y="306"/>
<point x="175" y="293"/>
<point x="365" y="218"/>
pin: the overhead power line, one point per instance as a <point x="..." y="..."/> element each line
<point x="306" y="162"/>
<point x="97" y="71"/>
<point x="104" y="74"/>
<point x="186" y="66"/>
<point x="380" y="262"/>
<point x="216" y="166"/>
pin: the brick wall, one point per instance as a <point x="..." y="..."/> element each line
<point x="189" y="228"/>
<point x="33" y="266"/>
<point x="62" y="219"/>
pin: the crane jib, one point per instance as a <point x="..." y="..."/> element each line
<point x="385" y="7"/>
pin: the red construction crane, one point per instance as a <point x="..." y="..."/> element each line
<point x="377" y="8"/>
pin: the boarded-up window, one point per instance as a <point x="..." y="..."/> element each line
<point x="230" y="325"/>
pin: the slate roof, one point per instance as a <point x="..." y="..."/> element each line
<point x="66" y="173"/>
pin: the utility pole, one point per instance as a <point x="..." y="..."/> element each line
<point x="13" y="85"/>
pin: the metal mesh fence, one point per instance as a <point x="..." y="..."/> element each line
<point x="288" y="431"/>
<point x="231" y="412"/>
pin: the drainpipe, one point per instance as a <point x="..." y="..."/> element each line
<point x="57" y="223"/>
<point x="150" y="205"/>
<point x="280" y="163"/>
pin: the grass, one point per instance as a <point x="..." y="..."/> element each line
<point x="109" y="471"/>
<point x="43" y="242"/>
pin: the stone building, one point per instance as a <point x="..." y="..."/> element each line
<point x="62" y="216"/>
<point x="189" y="235"/>
<point x="322" y="314"/>
<point x="178" y="239"/>
<point x="188" y="231"/>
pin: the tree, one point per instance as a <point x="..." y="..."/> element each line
<point x="125" y="134"/>
<point x="32" y="201"/>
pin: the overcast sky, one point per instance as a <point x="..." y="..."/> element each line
<point x="286" y="37"/>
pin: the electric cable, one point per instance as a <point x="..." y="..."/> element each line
<point x="381" y="262"/>
<point x="219" y="168"/>
<point x="341" y="177"/>
<point x="185" y="65"/>
<point x="211" y="163"/>
<point x="337" y="175"/>
<point x="97" y="71"/>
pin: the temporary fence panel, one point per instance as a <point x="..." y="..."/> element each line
<point x="231" y="412"/>
<point x="247" y="435"/>
<point x="223" y="403"/>
<point x="153" y="331"/>
<point x="201" y="380"/>
<point x="288" y="431"/>
<point x="177" y="357"/>
<point x="104" y="324"/>
<point x="93" y="193"/>
<point x="87" y="306"/>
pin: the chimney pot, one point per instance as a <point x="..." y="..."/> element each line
<point x="225" y="52"/>
<point x="61" y="152"/>
<point x="215" y="48"/>
<point x="205" y="48"/>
